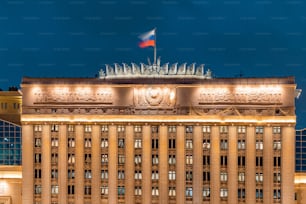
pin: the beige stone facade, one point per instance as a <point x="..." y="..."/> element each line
<point x="158" y="140"/>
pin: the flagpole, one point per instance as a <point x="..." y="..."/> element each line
<point x="154" y="63"/>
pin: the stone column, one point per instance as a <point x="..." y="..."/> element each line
<point x="250" y="183"/>
<point x="163" y="164"/>
<point x="129" y="165"/>
<point x="197" y="165"/>
<point x="27" y="164"/>
<point x="79" y="164"/>
<point x="287" y="165"/>
<point x="62" y="164"/>
<point x="232" y="166"/>
<point x="268" y="165"/>
<point x="180" y="165"/>
<point x="46" y="164"/>
<point x="215" y="165"/>
<point x="95" y="165"/>
<point x="112" y="165"/>
<point x="146" y="165"/>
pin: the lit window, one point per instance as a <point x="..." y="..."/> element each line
<point x="104" y="190"/>
<point x="54" y="189"/>
<point x="259" y="177"/>
<point x="104" y="128"/>
<point x="155" y="175"/>
<point x="276" y="130"/>
<point x="120" y="175"/>
<point x="137" y="159"/>
<point x="259" y="144"/>
<point x="137" y="191"/>
<point x="241" y="129"/>
<point x="277" y="145"/>
<point x="104" y="143"/>
<point x="138" y="143"/>
<point x="223" y="192"/>
<point x="189" y="129"/>
<point x="120" y="143"/>
<point x="37" y="128"/>
<point x="206" y="192"/>
<point x="189" y="159"/>
<point x="137" y="129"/>
<point x="206" y="144"/>
<point x="223" y="176"/>
<point x="155" y="159"/>
<point x="120" y="128"/>
<point x="188" y="192"/>
<point x="87" y="174"/>
<point x="104" y="158"/>
<point x="171" y="159"/>
<point x="71" y="158"/>
<point x="241" y="144"/>
<point x="54" y="142"/>
<point x="104" y="174"/>
<point x="71" y="142"/>
<point x="87" y="128"/>
<point x="223" y="129"/>
<point x="171" y="175"/>
<point x="87" y="143"/>
<point x="155" y="191"/>
<point x="189" y="144"/>
<point x="241" y="176"/>
<point x="223" y="144"/>
<point x="54" y="128"/>
<point x="172" y="191"/>
<point x="138" y="175"/>
<point x="259" y="130"/>
<point x="206" y="129"/>
<point x="172" y="129"/>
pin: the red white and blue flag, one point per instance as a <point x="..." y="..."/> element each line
<point x="147" y="39"/>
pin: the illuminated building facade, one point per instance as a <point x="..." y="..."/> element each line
<point x="158" y="135"/>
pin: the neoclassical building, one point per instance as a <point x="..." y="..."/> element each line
<point x="158" y="134"/>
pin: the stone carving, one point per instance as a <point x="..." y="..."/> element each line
<point x="154" y="97"/>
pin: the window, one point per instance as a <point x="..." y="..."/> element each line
<point x="54" y="173"/>
<point x="277" y="145"/>
<point x="71" y="158"/>
<point x="189" y="144"/>
<point x="154" y="143"/>
<point x="87" y="143"/>
<point x="223" y="144"/>
<point x="206" y="144"/>
<point x="154" y="129"/>
<point x="188" y="192"/>
<point x="120" y="143"/>
<point x="241" y="193"/>
<point x="188" y="175"/>
<point x="241" y="144"/>
<point x="241" y="176"/>
<point x="137" y="128"/>
<point x="87" y="174"/>
<point x="241" y="161"/>
<point x="71" y="142"/>
<point x="223" y="129"/>
<point x="155" y="191"/>
<point x="206" y="129"/>
<point x="70" y="174"/>
<point x="121" y="159"/>
<point x="259" y="177"/>
<point x="241" y="129"/>
<point x="189" y="129"/>
<point x="276" y="194"/>
<point x="87" y="190"/>
<point x="276" y="130"/>
<point x="120" y="175"/>
<point x="37" y="128"/>
<point x="70" y="189"/>
<point x="138" y="175"/>
<point x="104" y="174"/>
<point x="171" y="175"/>
<point x="70" y="128"/>
<point x="37" y="189"/>
<point x="104" y="190"/>
<point x="137" y="159"/>
<point x="259" y="145"/>
<point x="172" y="191"/>
<point x="171" y="144"/>
<point x="54" y="128"/>
<point x="104" y="158"/>
<point x="120" y="128"/>
<point x="37" y="158"/>
<point x="223" y="192"/>
<point x="189" y="159"/>
<point x="87" y="128"/>
<point x="155" y="175"/>
<point x="37" y="142"/>
<point x="104" y="143"/>
<point x="206" y="176"/>
<point x="277" y="177"/>
<point x="206" y="160"/>
<point x="54" y="189"/>
<point x="223" y="176"/>
<point x="54" y="142"/>
<point x="154" y="159"/>
<point x="137" y="191"/>
<point x="259" y="194"/>
<point x="37" y="173"/>
<point x="121" y="190"/>
<point x="104" y="128"/>
<point x="259" y="161"/>
<point x="172" y="159"/>
<point x="172" y="129"/>
<point x="54" y="158"/>
<point x="138" y="143"/>
<point x="277" y="161"/>
<point x="87" y="158"/>
<point x="206" y="192"/>
<point x="259" y="130"/>
<point x="223" y="160"/>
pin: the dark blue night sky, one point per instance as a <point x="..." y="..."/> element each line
<point x="75" y="38"/>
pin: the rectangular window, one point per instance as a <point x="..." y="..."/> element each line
<point x="189" y="192"/>
<point x="206" y="160"/>
<point x="189" y="129"/>
<point x="54" y="158"/>
<point x="241" y="144"/>
<point x="138" y="175"/>
<point x="87" y="158"/>
<point x="120" y="175"/>
<point x="154" y="143"/>
<point x="37" y="173"/>
<point x="277" y="161"/>
<point x="277" y="177"/>
<point x="104" y="143"/>
<point x="172" y="160"/>
<point x="206" y="144"/>
<point x="137" y="128"/>
<point x="276" y="130"/>
<point x="206" y="192"/>
<point x="241" y="161"/>
<point x="155" y="159"/>
<point x="87" y="190"/>
<point x="189" y="144"/>
<point x="137" y="191"/>
<point x="155" y="175"/>
<point x="37" y="128"/>
<point x="120" y="128"/>
<point x="54" y="173"/>
<point x="241" y="193"/>
<point x="259" y="161"/>
<point x="259" y="130"/>
<point x="223" y="160"/>
<point x="104" y="128"/>
<point x="37" y="158"/>
<point x="70" y="128"/>
<point x="277" y="145"/>
<point x="259" y="194"/>
<point x="54" y="189"/>
<point x="87" y="174"/>
<point x="137" y="143"/>
<point x="155" y="191"/>
<point x="171" y="143"/>
<point x="87" y="143"/>
<point x="172" y="191"/>
<point x="87" y="128"/>
<point x="276" y="194"/>
<point x="71" y="142"/>
<point x="71" y="158"/>
<point x="154" y="129"/>
<point x="223" y="144"/>
<point x="121" y="159"/>
<point x="54" y="142"/>
<point x="70" y="189"/>
<point x="189" y="159"/>
<point x="241" y="176"/>
<point x="37" y="142"/>
<point x="104" y="190"/>
<point x="223" y="129"/>
<point x="37" y="189"/>
<point x="223" y="176"/>
<point x="206" y="129"/>
<point x="223" y="193"/>
<point x="206" y="176"/>
<point x="259" y="145"/>
<point x="172" y="129"/>
<point x="188" y="175"/>
<point x="171" y="175"/>
<point x="71" y="174"/>
<point x="120" y="143"/>
<point x="54" y="128"/>
<point x="104" y="158"/>
<point x="104" y="174"/>
<point x="259" y="177"/>
<point x="241" y="129"/>
<point x="137" y="159"/>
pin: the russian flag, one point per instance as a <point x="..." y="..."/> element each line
<point x="147" y="39"/>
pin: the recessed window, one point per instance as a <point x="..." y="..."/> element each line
<point x="171" y="175"/>
<point x="206" y="129"/>
<point x="138" y="143"/>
